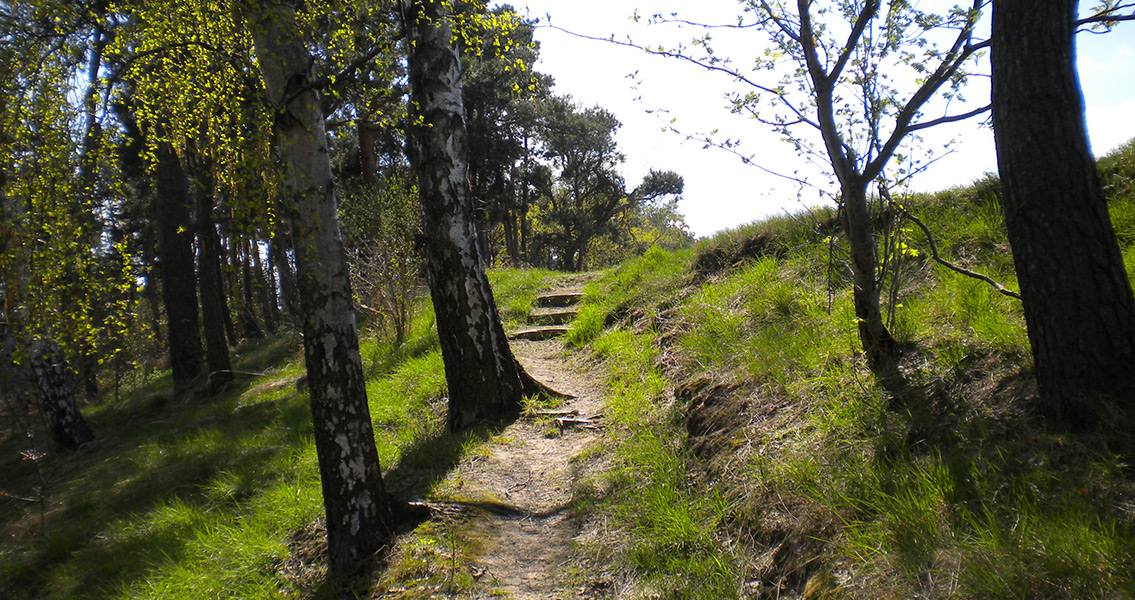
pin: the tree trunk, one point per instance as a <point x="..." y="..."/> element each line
<point x="13" y="378"/>
<point x="486" y="383"/>
<point x="175" y="249"/>
<point x="265" y="294"/>
<point x="359" y="513"/>
<point x="368" y="153"/>
<point x="878" y="345"/>
<point x="213" y="309"/>
<point x="57" y="390"/>
<point x="279" y="251"/>
<point x="1077" y="299"/>
<point x="250" y="323"/>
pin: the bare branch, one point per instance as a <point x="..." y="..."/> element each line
<point x="951" y="266"/>
<point x="961" y="51"/>
<point x="746" y="159"/>
<point x="709" y="66"/>
<point x="949" y="119"/>
<point x="861" y="23"/>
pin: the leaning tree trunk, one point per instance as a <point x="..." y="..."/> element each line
<point x="55" y="380"/>
<point x="359" y="515"/>
<point x="1077" y="299"/>
<point x="179" y="286"/>
<point x="486" y="383"/>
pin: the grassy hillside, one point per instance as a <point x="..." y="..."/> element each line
<point x="184" y="497"/>
<point x="779" y="469"/>
<point x="748" y="451"/>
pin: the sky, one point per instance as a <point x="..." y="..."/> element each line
<point x="721" y="191"/>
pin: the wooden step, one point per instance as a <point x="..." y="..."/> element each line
<point x="553" y="316"/>
<point x="558" y="299"/>
<point x="541" y="333"/>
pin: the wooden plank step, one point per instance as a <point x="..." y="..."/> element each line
<point x="554" y="316"/>
<point x="541" y="333"/>
<point x="558" y="299"/>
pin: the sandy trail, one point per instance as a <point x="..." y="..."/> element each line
<point x="527" y="475"/>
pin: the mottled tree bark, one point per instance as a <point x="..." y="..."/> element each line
<point x="359" y="515"/>
<point x="486" y="383"/>
<point x="55" y="381"/>
<point x="1077" y="299"/>
<point x="179" y="285"/>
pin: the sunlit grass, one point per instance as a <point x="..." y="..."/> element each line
<point x="944" y="488"/>
<point x="186" y="497"/>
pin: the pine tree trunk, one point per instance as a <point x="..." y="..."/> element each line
<point x="486" y="383"/>
<point x="359" y="513"/>
<point x="1077" y="299"/>
<point x="55" y="380"/>
<point x="179" y="286"/>
<point x="213" y="309"/>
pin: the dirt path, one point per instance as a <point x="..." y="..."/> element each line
<point x="531" y="470"/>
<point x="522" y="482"/>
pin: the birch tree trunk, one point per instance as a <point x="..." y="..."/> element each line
<point x="1077" y="299"/>
<point x="56" y="382"/>
<point x="359" y="514"/>
<point x="486" y="383"/>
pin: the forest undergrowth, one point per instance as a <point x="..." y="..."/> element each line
<point x="747" y="450"/>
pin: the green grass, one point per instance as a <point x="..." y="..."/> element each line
<point x="670" y="530"/>
<point x="830" y="487"/>
<point x="183" y="497"/>
<point x="516" y="290"/>
<point x="948" y="488"/>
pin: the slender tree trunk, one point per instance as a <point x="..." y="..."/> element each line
<point x="486" y="383"/>
<point x="250" y="323"/>
<point x="13" y="377"/>
<point x="359" y="513"/>
<point x="213" y="309"/>
<point x="150" y="292"/>
<point x="1077" y="299"/>
<point x="878" y="345"/>
<point x="57" y="390"/>
<point x="265" y="294"/>
<point x="279" y="250"/>
<point x="179" y="286"/>
<point x="368" y="154"/>
<point x="226" y="285"/>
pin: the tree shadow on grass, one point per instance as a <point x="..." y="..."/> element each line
<point x="137" y="497"/>
<point x="429" y="459"/>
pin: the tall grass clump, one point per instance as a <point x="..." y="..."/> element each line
<point x="629" y="293"/>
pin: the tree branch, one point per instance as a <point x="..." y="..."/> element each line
<point x="861" y="23"/>
<point x="949" y="119"/>
<point x="709" y="66"/>
<point x="934" y="254"/>
<point x="958" y="54"/>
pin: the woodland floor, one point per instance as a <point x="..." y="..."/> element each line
<point x="512" y="498"/>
